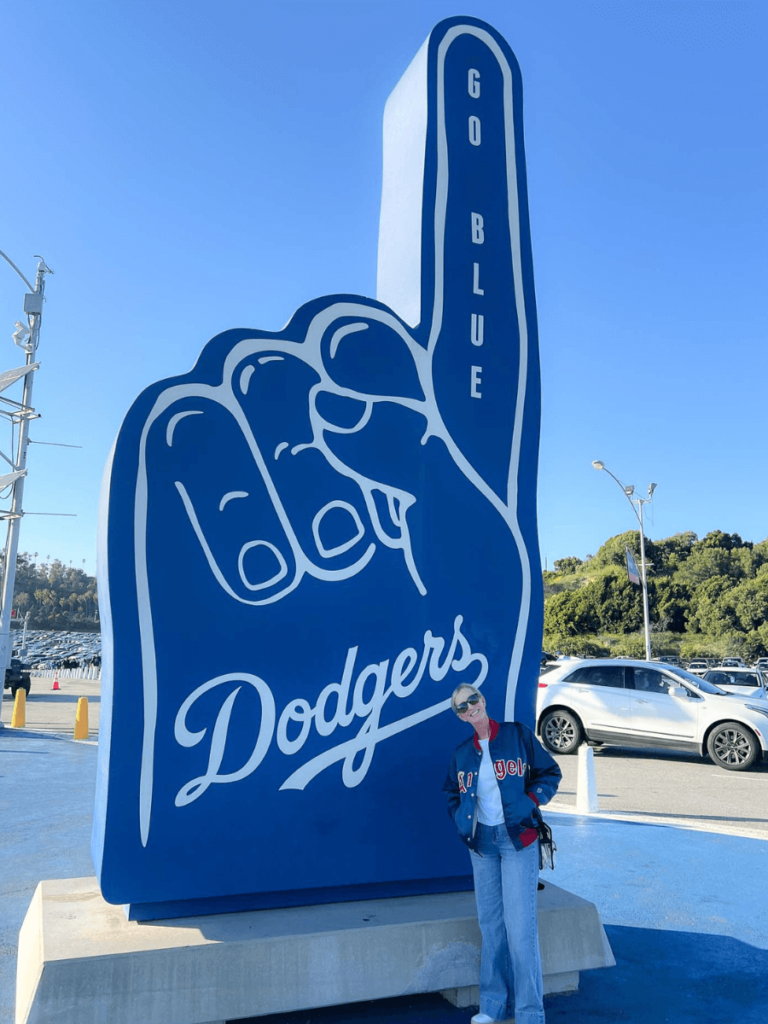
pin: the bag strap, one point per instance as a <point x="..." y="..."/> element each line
<point x="528" y="753"/>
<point x="528" y="759"/>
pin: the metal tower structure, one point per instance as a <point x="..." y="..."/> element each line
<point x="27" y="337"/>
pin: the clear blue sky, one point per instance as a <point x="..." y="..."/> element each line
<point x="191" y="167"/>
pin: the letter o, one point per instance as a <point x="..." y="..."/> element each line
<point x="474" y="130"/>
<point x="297" y="711"/>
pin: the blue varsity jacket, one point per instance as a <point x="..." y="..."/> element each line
<point x="527" y="775"/>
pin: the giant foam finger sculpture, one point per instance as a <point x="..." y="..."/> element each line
<point x="312" y="537"/>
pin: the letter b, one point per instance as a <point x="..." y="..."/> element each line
<point x="478" y="232"/>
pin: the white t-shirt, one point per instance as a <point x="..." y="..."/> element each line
<point x="489" y="808"/>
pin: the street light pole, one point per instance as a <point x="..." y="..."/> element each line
<point x="33" y="307"/>
<point x="628" y="493"/>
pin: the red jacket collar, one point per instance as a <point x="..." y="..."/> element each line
<point x="494" y="734"/>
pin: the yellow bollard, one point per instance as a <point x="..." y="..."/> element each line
<point x="19" y="717"/>
<point x="81" y="719"/>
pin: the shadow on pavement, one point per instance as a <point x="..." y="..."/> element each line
<point x="60" y="698"/>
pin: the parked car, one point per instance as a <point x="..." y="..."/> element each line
<point x="732" y="663"/>
<point x="762" y="664"/>
<point x="17" y="677"/>
<point x="647" y="704"/>
<point x="747" y="682"/>
<point x="670" y="659"/>
<point x="698" y="667"/>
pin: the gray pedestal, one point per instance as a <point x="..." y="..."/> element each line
<point x="81" y="962"/>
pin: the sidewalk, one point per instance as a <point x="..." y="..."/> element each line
<point x="686" y="911"/>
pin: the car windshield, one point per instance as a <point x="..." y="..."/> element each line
<point x="725" y="678"/>
<point x="701" y="684"/>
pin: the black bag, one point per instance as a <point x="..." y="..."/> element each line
<point x="547" y="845"/>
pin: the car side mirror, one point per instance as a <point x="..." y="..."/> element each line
<point x="677" y="691"/>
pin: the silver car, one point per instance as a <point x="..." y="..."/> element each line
<point x="698" y="667"/>
<point x="746" y="682"/>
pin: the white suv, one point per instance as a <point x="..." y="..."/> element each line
<point x="645" y="704"/>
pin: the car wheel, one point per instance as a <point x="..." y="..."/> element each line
<point x="733" y="746"/>
<point x="561" y="732"/>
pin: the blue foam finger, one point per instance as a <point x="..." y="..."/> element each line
<point x="312" y="538"/>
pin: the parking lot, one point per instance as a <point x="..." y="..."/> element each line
<point x="53" y="711"/>
<point x="672" y="788"/>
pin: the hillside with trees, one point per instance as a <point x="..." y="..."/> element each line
<point x="56" y="595"/>
<point x="708" y="598"/>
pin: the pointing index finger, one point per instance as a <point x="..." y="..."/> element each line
<point x="454" y="244"/>
<point x="452" y="142"/>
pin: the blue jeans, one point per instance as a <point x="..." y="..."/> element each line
<point x="505" y="890"/>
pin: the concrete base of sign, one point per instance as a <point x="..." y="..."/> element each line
<point x="81" y="962"/>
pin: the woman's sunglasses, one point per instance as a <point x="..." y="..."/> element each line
<point x="461" y="708"/>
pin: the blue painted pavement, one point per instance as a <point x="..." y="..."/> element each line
<point x="686" y="912"/>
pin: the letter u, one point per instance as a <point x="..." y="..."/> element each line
<point x="477" y="329"/>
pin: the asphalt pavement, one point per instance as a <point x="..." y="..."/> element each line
<point x="673" y="789"/>
<point x="684" y="905"/>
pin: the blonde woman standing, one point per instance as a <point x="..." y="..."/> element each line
<point x="496" y="780"/>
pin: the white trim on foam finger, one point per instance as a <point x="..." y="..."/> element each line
<point x="441" y="201"/>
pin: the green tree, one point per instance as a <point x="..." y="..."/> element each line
<point x="613" y="551"/>
<point x="669" y="602"/>
<point x="669" y="554"/>
<point x="706" y="563"/>
<point x="749" y="601"/>
<point x="570" y="614"/>
<point x="576" y="646"/>
<point x="709" y="610"/>
<point x="618" y="603"/>
<point x="722" y="541"/>
<point x="565" y="566"/>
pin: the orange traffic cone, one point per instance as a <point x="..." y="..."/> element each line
<point x="56" y="683"/>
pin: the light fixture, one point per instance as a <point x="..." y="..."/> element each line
<point x="597" y="464"/>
